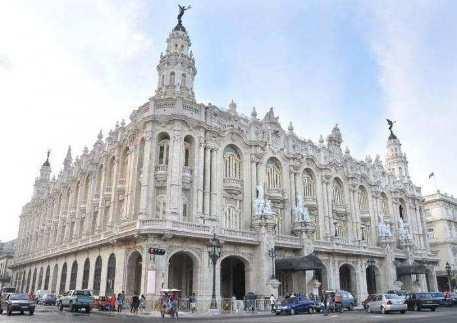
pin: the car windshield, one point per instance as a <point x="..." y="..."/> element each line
<point x="437" y="295"/>
<point x="17" y="297"/>
<point x="8" y="290"/>
<point x="423" y="295"/>
<point x="82" y="293"/>
<point x="391" y="296"/>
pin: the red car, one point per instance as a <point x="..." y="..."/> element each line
<point x="102" y="303"/>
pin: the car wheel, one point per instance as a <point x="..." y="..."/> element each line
<point x="1" y="311"/>
<point x="310" y="310"/>
<point x="292" y="311"/>
<point x="433" y="309"/>
<point x="351" y="307"/>
<point x="22" y="312"/>
<point x="402" y="312"/>
<point x="31" y="312"/>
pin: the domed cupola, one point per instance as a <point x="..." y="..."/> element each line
<point x="396" y="161"/>
<point x="176" y="69"/>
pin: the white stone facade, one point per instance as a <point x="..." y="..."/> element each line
<point x="441" y="221"/>
<point x="181" y="170"/>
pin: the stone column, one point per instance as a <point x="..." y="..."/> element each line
<point x="254" y="181"/>
<point x="206" y="189"/>
<point x="174" y="182"/>
<point x="213" y="186"/>
<point x="374" y="206"/>
<point x="199" y="176"/>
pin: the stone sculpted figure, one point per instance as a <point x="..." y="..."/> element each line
<point x="403" y="231"/>
<point x="301" y="212"/>
<point x="391" y="124"/>
<point x="259" y="201"/>
<point x="384" y="229"/>
<point x="182" y="10"/>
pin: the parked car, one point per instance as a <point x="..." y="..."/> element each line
<point x="101" y="303"/>
<point x="370" y="298"/>
<point x="77" y="299"/>
<point x="344" y="300"/>
<point x="440" y="298"/>
<point x="17" y="303"/>
<point x="418" y="301"/>
<point x="47" y="299"/>
<point x="386" y="303"/>
<point x="295" y="305"/>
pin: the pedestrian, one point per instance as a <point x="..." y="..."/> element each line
<point x="112" y="302"/>
<point x="272" y="302"/>
<point x="325" y="298"/>
<point x="120" y="302"/>
<point x="193" y="303"/>
<point x="135" y="303"/>
<point x="142" y="303"/>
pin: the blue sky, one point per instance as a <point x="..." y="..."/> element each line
<point x="69" y="68"/>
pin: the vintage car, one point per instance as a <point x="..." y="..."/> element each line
<point x="47" y="299"/>
<point x="387" y="303"/>
<point x="102" y="303"/>
<point x="77" y="299"/>
<point x="17" y="303"/>
<point x="295" y="305"/>
<point x="419" y="301"/>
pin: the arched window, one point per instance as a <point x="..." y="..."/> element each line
<point x="338" y="195"/>
<point x="86" y="269"/>
<point x="309" y="184"/>
<point x="363" y="199"/>
<point x="54" y="279"/>
<point x="46" y="278"/>
<point x="63" y="278"/>
<point x="99" y="179"/>
<point x="402" y="210"/>
<point x="110" y="174"/>
<point x="67" y="200"/>
<point x="76" y="200"/>
<point x="232" y="162"/>
<point x="139" y="171"/>
<point x="86" y="189"/>
<point x="188" y="145"/>
<point x="164" y="147"/>
<point x="110" y="275"/>
<point x="73" y="275"/>
<point x="274" y="178"/>
<point x="97" y="275"/>
<point x="183" y="80"/>
<point x="161" y="206"/>
<point x="172" y="79"/>
<point x="33" y="280"/>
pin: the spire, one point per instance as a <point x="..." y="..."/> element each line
<point x="46" y="163"/>
<point x="254" y="113"/>
<point x="68" y="159"/>
<point x="232" y="107"/>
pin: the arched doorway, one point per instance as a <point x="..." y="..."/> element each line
<point x="63" y="278"/>
<point x="348" y="279"/>
<point x="134" y="269"/>
<point x="181" y="273"/>
<point x="73" y="275"/>
<point x="27" y="289"/>
<point x="54" y="279"/>
<point x="40" y="279"/>
<point x="233" y="278"/>
<point x="46" y="278"/>
<point x="110" y="275"/>
<point x="373" y="281"/>
<point x="86" y="270"/>
<point x="97" y="275"/>
<point x="33" y="280"/>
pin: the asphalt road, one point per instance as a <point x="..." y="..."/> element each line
<point x="443" y="315"/>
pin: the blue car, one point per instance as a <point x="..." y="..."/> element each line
<point x="439" y="298"/>
<point x="295" y="305"/>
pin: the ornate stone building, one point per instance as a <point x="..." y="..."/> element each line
<point x="180" y="171"/>
<point x="6" y="260"/>
<point x="441" y="223"/>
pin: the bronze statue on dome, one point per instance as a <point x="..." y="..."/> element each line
<point x="391" y="124"/>
<point x="182" y="10"/>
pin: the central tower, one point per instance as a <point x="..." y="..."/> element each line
<point x="176" y="68"/>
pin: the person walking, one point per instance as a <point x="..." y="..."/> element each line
<point x="135" y="304"/>
<point x="272" y="303"/>
<point x="142" y="303"/>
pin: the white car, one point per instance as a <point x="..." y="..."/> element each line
<point x="385" y="303"/>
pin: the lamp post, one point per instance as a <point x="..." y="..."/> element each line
<point x="272" y="254"/>
<point x="448" y="270"/>
<point x="214" y="254"/>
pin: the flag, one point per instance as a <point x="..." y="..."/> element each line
<point x="431" y="175"/>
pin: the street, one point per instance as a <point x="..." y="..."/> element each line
<point x="443" y="315"/>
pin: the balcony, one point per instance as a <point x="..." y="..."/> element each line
<point x="275" y="193"/>
<point x="121" y="184"/>
<point x="233" y="185"/>
<point x="365" y="215"/>
<point x="310" y="202"/>
<point x="288" y="241"/>
<point x="339" y="209"/>
<point x="108" y="192"/>
<point x="186" y="176"/>
<point x="160" y="176"/>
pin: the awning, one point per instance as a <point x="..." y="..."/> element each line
<point x="407" y="269"/>
<point x="309" y="262"/>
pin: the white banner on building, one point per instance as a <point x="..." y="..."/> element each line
<point x="151" y="282"/>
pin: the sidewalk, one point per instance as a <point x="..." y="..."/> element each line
<point x="187" y="315"/>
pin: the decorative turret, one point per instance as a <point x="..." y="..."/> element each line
<point x="334" y="140"/>
<point x="396" y="161"/>
<point x="42" y="182"/>
<point x="176" y="68"/>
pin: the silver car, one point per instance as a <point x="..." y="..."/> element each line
<point x="385" y="303"/>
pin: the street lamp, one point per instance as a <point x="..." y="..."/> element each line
<point x="272" y="254"/>
<point x="214" y="254"/>
<point x="448" y="270"/>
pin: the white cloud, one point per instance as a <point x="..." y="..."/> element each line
<point x="420" y="89"/>
<point x="61" y="66"/>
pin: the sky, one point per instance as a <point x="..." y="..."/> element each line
<point x="70" y="68"/>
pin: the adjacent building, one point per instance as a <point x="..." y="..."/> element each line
<point x="6" y="260"/>
<point x="441" y="222"/>
<point x="290" y="212"/>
